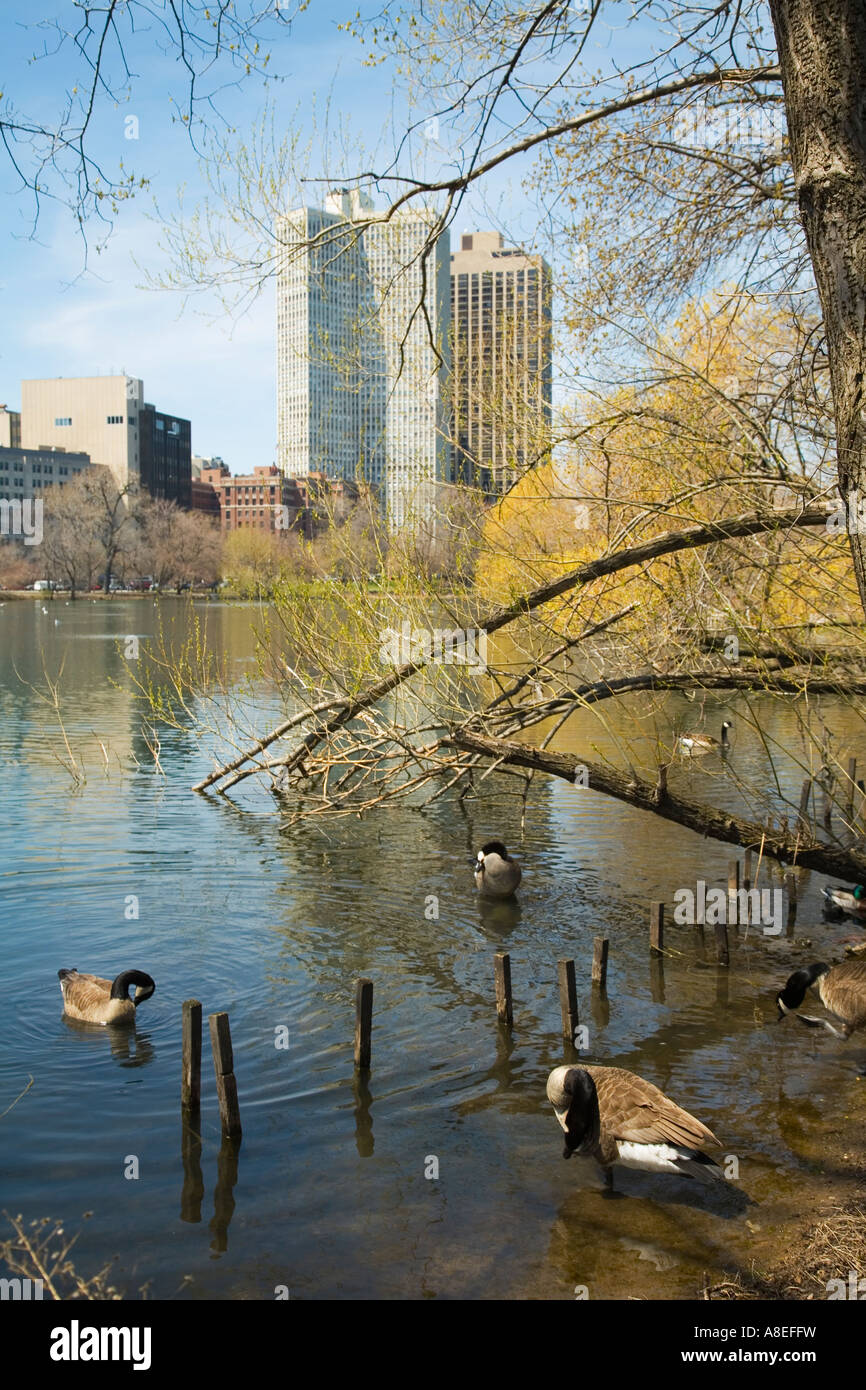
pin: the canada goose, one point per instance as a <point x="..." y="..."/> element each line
<point x="613" y="1116"/>
<point x="853" y="903"/>
<point x="497" y="875"/>
<point x="94" y="1000"/>
<point x="841" y="989"/>
<point x="704" y="743"/>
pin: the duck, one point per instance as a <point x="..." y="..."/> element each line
<point x="704" y="743"/>
<point x="94" y="1000"/>
<point x="841" y="989"/>
<point x="853" y="902"/>
<point x="497" y="875"/>
<point x="618" y="1118"/>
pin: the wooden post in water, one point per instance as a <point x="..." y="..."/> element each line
<point x="599" y="961"/>
<point x="502" y="976"/>
<point x="363" y="1023"/>
<point x="803" y="813"/>
<point x="567" y="998"/>
<point x="733" y="890"/>
<point x="827" y="798"/>
<point x="190" y="1084"/>
<point x="722" y="953"/>
<point x="223" y="1063"/>
<point x="657" y="927"/>
<point x="747" y="870"/>
<point x="852" y="786"/>
<point x="791" y="886"/>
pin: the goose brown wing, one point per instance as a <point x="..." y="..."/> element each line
<point x="636" y="1111"/>
<point x="844" y="992"/>
<point x="86" y="991"/>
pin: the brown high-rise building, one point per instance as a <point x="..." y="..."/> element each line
<point x="501" y="354"/>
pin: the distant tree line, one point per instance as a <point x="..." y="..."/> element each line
<point x="96" y="535"/>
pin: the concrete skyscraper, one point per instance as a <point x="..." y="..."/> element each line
<point x="502" y="347"/>
<point x="363" y="351"/>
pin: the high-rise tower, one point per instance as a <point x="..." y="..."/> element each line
<point x="363" y="309"/>
<point x="501" y="343"/>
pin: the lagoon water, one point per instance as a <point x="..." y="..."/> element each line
<point x="331" y="1192"/>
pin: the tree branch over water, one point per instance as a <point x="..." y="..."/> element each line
<point x="776" y="843"/>
<point x="668" y="543"/>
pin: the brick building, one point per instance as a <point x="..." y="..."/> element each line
<point x="265" y="500"/>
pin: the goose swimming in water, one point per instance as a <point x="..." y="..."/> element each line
<point x="841" y="989"/>
<point x="616" y="1117"/>
<point x="94" y="1000"/>
<point x="704" y="743"/>
<point x="497" y="875"/>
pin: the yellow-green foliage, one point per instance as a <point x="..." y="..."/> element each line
<point x="714" y="428"/>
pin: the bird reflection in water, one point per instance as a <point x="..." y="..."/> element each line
<point x="128" y="1047"/>
<point x="498" y="918"/>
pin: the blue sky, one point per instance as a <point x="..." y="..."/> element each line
<point x="195" y="360"/>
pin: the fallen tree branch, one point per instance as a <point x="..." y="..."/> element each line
<point x="688" y="680"/>
<point x="279" y="732"/>
<point x="668" y="543"/>
<point x="592" y="631"/>
<point x="848" y="864"/>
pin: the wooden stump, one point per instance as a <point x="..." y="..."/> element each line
<point x="599" y="961"/>
<point x="227" y="1086"/>
<point x="733" y="891"/>
<point x="190" y="1085"/>
<point x="657" y="927"/>
<point x="791" y="886"/>
<point x="567" y="998"/>
<point x="363" y="1023"/>
<point x="502" y="977"/>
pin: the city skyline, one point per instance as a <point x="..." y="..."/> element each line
<point x="65" y="317"/>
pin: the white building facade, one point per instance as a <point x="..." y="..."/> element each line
<point x="94" y="415"/>
<point x="363" y="319"/>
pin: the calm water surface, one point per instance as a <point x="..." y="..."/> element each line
<point x="327" y="1194"/>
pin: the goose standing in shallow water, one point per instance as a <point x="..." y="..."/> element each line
<point x="497" y="875"/>
<point x="693" y="744"/>
<point x="94" y="1000"/>
<point x="841" y="989"/>
<point x="616" y="1117"/>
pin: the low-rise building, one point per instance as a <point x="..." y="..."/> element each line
<point x="165" y="462"/>
<point x="266" y="500"/>
<point x="10" y="428"/>
<point x="203" y="497"/>
<point x="27" y="472"/>
<point x="108" y="418"/>
<point x="198" y="463"/>
<point x="263" y="499"/>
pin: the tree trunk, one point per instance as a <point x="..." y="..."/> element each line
<point x="822" y="53"/>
